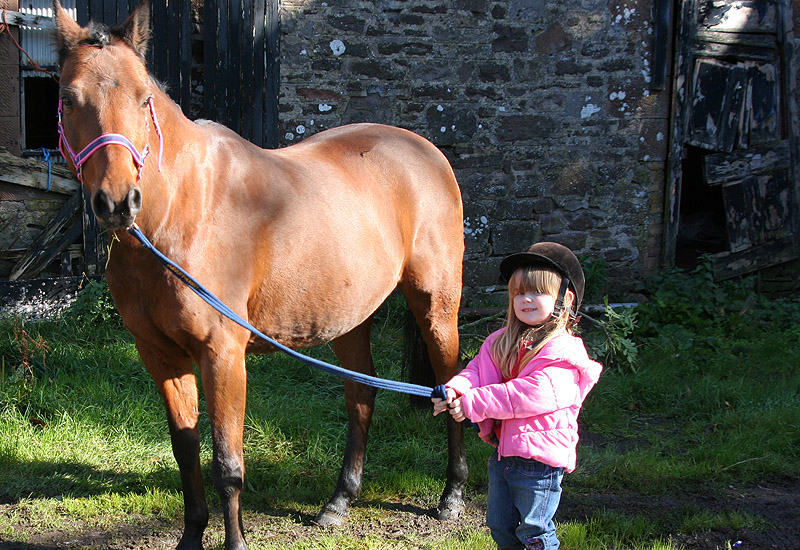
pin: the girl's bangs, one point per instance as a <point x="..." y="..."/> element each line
<point x="535" y="279"/>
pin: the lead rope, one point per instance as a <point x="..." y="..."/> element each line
<point x="216" y="303"/>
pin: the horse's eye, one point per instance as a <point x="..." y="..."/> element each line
<point x="66" y="102"/>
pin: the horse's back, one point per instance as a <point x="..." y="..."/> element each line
<point x="398" y="157"/>
<point x="395" y="178"/>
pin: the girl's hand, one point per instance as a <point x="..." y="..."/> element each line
<point x="441" y="405"/>
<point x="456" y="411"/>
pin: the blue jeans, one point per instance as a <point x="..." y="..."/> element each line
<point x="523" y="498"/>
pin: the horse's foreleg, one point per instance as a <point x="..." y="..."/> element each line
<point x="225" y="386"/>
<point x="353" y="351"/>
<point x="177" y="384"/>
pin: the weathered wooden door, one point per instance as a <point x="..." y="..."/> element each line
<point x="734" y="102"/>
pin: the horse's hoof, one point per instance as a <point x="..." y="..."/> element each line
<point x="330" y="518"/>
<point x="190" y="544"/>
<point x="449" y="511"/>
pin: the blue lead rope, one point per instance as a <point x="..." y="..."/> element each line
<point x="46" y="155"/>
<point x="216" y="303"/>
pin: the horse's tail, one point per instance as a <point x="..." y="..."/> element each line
<point x="417" y="365"/>
<point x="416" y="361"/>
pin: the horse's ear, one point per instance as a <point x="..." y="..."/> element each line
<point x="68" y="32"/>
<point x="136" y="28"/>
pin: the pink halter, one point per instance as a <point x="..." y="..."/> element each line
<point x="110" y="139"/>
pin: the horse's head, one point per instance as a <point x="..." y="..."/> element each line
<point x="105" y="110"/>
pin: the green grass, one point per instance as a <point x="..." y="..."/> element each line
<point x="712" y="401"/>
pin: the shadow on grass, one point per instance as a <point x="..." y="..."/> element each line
<point x="147" y="534"/>
<point x="49" y="479"/>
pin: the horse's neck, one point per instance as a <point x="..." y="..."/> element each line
<point x="170" y="189"/>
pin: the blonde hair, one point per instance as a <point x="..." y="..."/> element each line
<point x="505" y="349"/>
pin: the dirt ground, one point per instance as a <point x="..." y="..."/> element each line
<point x="777" y="502"/>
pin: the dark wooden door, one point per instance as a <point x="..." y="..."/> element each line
<point x="238" y="67"/>
<point x="734" y="103"/>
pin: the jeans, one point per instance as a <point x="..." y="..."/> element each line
<point x="523" y="498"/>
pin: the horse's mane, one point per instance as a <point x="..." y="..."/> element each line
<point x="98" y="35"/>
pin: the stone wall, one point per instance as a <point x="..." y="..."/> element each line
<point x="543" y="108"/>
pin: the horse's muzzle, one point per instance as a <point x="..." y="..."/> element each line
<point x="117" y="215"/>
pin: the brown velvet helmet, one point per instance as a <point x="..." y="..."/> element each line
<point x="554" y="256"/>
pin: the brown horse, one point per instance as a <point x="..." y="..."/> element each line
<point x="304" y="242"/>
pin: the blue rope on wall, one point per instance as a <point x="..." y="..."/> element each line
<point x="46" y="154"/>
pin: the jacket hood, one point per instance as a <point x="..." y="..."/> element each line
<point x="571" y="350"/>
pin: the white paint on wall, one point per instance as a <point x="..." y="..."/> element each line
<point x="473" y="228"/>
<point x="589" y="109"/>
<point x="337" y="47"/>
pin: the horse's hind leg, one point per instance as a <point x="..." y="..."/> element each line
<point x="353" y="351"/>
<point x="436" y="312"/>
<point x="177" y="385"/>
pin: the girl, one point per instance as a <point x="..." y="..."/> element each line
<point x="525" y="389"/>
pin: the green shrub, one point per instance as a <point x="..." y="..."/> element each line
<point x="93" y="307"/>
<point x="612" y="344"/>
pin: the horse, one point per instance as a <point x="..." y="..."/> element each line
<point x="305" y="242"/>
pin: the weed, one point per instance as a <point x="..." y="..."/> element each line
<point x="93" y="307"/>
<point x="614" y="347"/>
<point x="596" y="276"/>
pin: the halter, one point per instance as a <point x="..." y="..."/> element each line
<point x="110" y="139"/>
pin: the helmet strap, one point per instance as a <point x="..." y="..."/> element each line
<point x="559" y="307"/>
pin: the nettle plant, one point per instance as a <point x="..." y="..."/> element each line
<point x="687" y="311"/>
<point x="94" y="306"/>
<point x="612" y="344"/>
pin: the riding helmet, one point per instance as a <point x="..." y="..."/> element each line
<point x="554" y="256"/>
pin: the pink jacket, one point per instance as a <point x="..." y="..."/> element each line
<point x="537" y="411"/>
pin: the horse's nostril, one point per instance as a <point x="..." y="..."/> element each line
<point x="134" y="200"/>
<point x="102" y="205"/>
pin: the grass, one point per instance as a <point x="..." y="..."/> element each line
<point x="711" y="401"/>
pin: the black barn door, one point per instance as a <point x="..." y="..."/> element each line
<point x="230" y="47"/>
<point x="732" y="188"/>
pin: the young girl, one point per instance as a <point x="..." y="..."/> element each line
<point x="525" y="389"/>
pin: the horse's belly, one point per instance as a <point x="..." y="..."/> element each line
<point x="304" y="316"/>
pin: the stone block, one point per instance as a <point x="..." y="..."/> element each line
<point x="513" y="209"/>
<point x="525" y="127"/>
<point x="372" y="108"/>
<point x="509" y="39"/>
<point x="553" y="40"/>
<point x="9" y="54"/>
<point x="346" y="22"/>
<point x="512" y="236"/>
<point x="495" y="73"/>
<point x="447" y="125"/>
<point x="372" y="68"/>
